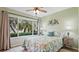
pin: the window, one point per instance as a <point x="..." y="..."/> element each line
<point x="13" y="21"/>
<point x="25" y="27"/>
<point x="35" y="28"/>
<point x="20" y="26"/>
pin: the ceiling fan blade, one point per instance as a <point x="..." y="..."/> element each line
<point x="43" y="10"/>
<point x="40" y="7"/>
<point x="29" y="10"/>
<point x="37" y="8"/>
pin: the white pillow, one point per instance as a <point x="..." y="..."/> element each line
<point x="57" y="34"/>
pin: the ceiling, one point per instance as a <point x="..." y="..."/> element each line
<point x="50" y="10"/>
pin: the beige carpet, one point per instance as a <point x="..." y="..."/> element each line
<point x="20" y="49"/>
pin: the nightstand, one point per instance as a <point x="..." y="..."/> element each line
<point x="68" y="42"/>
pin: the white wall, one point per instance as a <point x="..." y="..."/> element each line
<point x="68" y="21"/>
<point x="78" y="29"/>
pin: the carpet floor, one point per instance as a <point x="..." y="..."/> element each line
<point x="67" y="50"/>
<point x="20" y="49"/>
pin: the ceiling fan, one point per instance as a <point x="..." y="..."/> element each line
<point x="36" y="10"/>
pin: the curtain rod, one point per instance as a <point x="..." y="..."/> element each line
<point x="21" y="15"/>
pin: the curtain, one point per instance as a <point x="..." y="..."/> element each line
<point x="4" y="31"/>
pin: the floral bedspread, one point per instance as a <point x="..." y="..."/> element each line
<point x="43" y="44"/>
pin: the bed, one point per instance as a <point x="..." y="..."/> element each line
<point x="36" y="43"/>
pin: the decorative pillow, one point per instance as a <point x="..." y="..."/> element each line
<point x="50" y="33"/>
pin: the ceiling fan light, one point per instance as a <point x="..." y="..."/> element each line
<point x="36" y="11"/>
